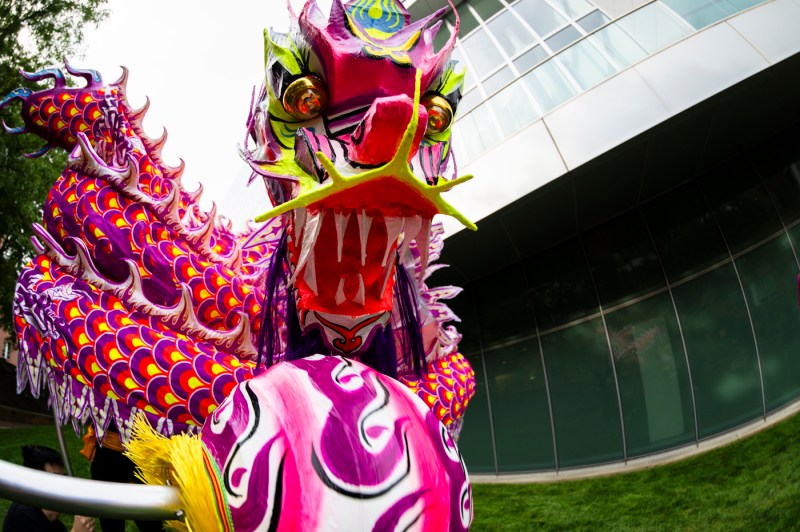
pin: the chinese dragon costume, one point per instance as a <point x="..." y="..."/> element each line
<point x="310" y="350"/>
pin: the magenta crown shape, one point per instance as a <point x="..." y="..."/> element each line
<point x="378" y="29"/>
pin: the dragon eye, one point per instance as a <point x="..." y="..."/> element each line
<point x="440" y="114"/>
<point x="305" y="97"/>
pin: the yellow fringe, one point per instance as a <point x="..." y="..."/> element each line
<point x="177" y="461"/>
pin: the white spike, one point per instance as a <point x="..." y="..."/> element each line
<point x="386" y="278"/>
<point x="424" y="244"/>
<point x="410" y="230"/>
<point x="341" y="220"/>
<point x="394" y="225"/>
<point x="340" y="292"/>
<point x="364" y="224"/>
<point x="299" y="223"/>
<point x="310" y="234"/>
<point x="360" y="296"/>
<point x="311" y="274"/>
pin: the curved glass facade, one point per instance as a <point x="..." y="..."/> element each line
<point x="666" y="325"/>
<point x="527" y="57"/>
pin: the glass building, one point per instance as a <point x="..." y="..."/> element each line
<point x="632" y="288"/>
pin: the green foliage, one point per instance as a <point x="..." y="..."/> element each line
<point x="33" y="34"/>
<point x="750" y="485"/>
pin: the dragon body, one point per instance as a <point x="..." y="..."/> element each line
<point x="139" y="305"/>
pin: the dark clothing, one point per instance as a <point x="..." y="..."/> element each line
<point x="113" y="466"/>
<point x="23" y="518"/>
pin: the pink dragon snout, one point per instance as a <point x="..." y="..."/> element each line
<point x="377" y="137"/>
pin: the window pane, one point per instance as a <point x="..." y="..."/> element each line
<point x="653" y="27"/>
<point x="475" y="132"/>
<point x="482" y="53"/>
<point x="561" y="285"/>
<point x="498" y="80"/>
<point x="768" y="273"/>
<point x="618" y="45"/>
<point x="467" y="21"/>
<point x="701" y="13"/>
<point x="475" y="441"/>
<point x="584" y="397"/>
<point x="540" y="15"/>
<point x="504" y="307"/>
<point x="741" y="204"/>
<point x="721" y="351"/>
<point x="685" y="233"/>
<point x="563" y="38"/>
<point x="469" y="102"/>
<point x="778" y="163"/>
<point x="511" y="34"/>
<point x="532" y="57"/>
<point x="623" y="260"/>
<point x="486" y="8"/>
<point x="520" y="413"/>
<point x="514" y="109"/>
<point x="573" y="8"/>
<point x="653" y="378"/>
<point x="441" y="38"/>
<point x="550" y="87"/>
<point x="592" y="21"/>
<point x="586" y="64"/>
<point x="469" y="78"/>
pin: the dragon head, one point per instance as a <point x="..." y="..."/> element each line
<point x="352" y="137"/>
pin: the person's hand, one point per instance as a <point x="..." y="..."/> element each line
<point x="81" y="523"/>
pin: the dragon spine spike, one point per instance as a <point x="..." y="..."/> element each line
<point x="38" y="153"/>
<point x="137" y="115"/>
<point x="92" y="77"/>
<point x="181" y="316"/>
<point x="122" y="82"/>
<point x="48" y="73"/>
<point x="127" y="182"/>
<point x="19" y="93"/>
<point x="13" y="130"/>
<point x="174" y="172"/>
<point x="195" y="195"/>
<point x="155" y="145"/>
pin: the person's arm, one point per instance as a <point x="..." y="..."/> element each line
<point x="81" y="523"/>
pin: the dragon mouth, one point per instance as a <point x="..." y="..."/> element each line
<point x="344" y="256"/>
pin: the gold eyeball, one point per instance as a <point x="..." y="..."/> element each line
<point x="305" y="98"/>
<point x="440" y="114"/>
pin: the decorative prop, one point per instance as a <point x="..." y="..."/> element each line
<point x="140" y="306"/>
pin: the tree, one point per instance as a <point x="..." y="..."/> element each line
<point x="33" y="34"/>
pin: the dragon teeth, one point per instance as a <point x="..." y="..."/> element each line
<point x="394" y="225"/>
<point x="341" y="220"/>
<point x="361" y="294"/>
<point x="311" y="274"/>
<point x="299" y="223"/>
<point x="310" y="234"/>
<point x="340" y="298"/>
<point x="423" y="243"/>
<point x="411" y="227"/>
<point x="364" y="225"/>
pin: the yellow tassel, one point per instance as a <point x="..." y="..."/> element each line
<point x="183" y="462"/>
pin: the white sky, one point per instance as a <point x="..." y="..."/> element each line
<point x="198" y="62"/>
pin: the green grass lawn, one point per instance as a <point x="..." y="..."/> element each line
<point x="753" y="484"/>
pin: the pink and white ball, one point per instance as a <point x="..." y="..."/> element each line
<point x="326" y="443"/>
